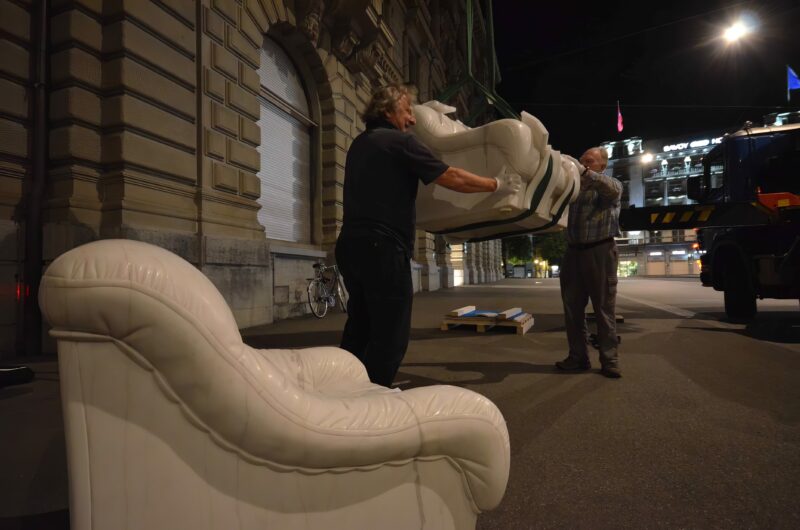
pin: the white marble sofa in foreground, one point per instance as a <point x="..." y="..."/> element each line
<point x="172" y="422"/>
<point x="550" y="182"/>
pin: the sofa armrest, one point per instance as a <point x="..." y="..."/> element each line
<point x="469" y="428"/>
<point x="326" y="368"/>
<point x="341" y="420"/>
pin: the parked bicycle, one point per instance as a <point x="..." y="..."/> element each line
<point x="325" y="290"/>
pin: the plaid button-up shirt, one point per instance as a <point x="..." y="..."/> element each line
<point x="595" y="213"/>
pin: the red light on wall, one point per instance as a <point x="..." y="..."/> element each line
<point x="22" y="290"/>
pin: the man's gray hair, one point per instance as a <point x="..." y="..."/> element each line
<point x="385" y="100"/>
<point x="603" y="153"/>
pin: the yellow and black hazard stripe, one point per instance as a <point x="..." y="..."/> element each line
<point x="697" y="215"/>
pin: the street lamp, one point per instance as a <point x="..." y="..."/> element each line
<point x="736" y="32"/>
<point x="741" y="28"/>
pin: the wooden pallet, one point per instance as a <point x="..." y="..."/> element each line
<point x="521" y="322"/>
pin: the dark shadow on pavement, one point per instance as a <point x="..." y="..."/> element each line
<point x="491" y="373"/>
<point x="463" y="330"/>
<point x="710" y="315"/>
<point x="780" y="326"/>
<point x="42" y="521"/>
<point x="13" y="391"/>
<point x="333" y="338"/>
<point x="294" y="340"/>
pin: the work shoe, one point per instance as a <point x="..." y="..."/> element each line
<point x="611" y="371"/>
<point x="571" y="364"/>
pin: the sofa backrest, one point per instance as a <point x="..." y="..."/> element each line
<point x="141" y="267"/>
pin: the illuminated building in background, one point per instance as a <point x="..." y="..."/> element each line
<point x="655" y="173"/>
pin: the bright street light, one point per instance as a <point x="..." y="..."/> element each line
<point x="745" y="25"/>
<point x="647" y="158"/>
<point x="736" y="32"/>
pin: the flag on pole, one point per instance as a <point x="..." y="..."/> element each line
<point x="619" y="116"/>
<point x="792" y="82"/>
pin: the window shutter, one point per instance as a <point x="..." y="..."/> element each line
<point x="285" y="176"/>
<point x="285" y="150"/>
<point x="280" y="77"/>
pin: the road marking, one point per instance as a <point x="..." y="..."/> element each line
<point x="537" y="286"/>
<point x="677" y="311"/>
<point x="685" y="313"/>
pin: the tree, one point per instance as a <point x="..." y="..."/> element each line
<point x="517" y="249"/>
<point x="551" y="246"/>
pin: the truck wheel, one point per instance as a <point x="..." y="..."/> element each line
<point x="740" y="298"/>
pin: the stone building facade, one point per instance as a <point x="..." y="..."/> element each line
<point x="144" y="119"/>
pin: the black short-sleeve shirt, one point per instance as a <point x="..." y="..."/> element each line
<point x="384" y="166"/>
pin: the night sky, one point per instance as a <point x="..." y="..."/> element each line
<point x="664" y="61"/>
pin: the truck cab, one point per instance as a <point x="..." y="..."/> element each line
<point x="751" y="248"/>
<point x="755" y="162"/>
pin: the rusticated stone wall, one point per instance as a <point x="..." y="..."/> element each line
<point x="152" y="127"/>
<point x="15" y="161"/>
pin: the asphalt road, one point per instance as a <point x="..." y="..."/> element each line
<point x="702" y="431"/>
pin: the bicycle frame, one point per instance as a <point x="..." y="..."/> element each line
<point x="325" y="289"/>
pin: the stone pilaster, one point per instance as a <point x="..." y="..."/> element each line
<point x="73" y="205"/>
<point x="475" y="249"/>
<point x="480" y="250"/>
<point x="495" y="261"/>
<point x="487" y="262"/>
<point x="234" y="253"/>
<point x="471" y="264"/>
<point x="445" y="264"/>
<point x="498" y="253"/>
<point x="425" y="255"/>
<point x="231" y="39"/>
<point x="348" y="96"/>
<point x="15" y="162"/>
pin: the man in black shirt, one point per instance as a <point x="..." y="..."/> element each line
<point x="374" y="249"/>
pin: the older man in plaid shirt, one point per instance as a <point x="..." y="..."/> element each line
<point x="589" y="269"/>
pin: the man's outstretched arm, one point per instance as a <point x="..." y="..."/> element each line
<point x="461" y="180"/>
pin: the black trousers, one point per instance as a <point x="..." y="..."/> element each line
<point x="377" y="273"/>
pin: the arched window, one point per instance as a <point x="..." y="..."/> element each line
<point x="285" y="150"/>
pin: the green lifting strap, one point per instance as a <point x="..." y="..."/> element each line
<point x="490" y="94"/>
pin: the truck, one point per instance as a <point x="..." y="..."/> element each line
<point x="746" y="214"/>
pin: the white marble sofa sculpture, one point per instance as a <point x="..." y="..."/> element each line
<point x="173" y="422"/>
<point x="550" y="182"/>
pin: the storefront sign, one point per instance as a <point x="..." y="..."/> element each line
<point x="693" y="144"/>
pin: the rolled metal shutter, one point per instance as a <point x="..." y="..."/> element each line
<point x="285" y="149"/>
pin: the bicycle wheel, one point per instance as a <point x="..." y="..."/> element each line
<point x="341" y="294"/>
<point x="317" y="298"/>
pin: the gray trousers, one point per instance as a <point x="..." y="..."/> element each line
<point x="591" y="273"/>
